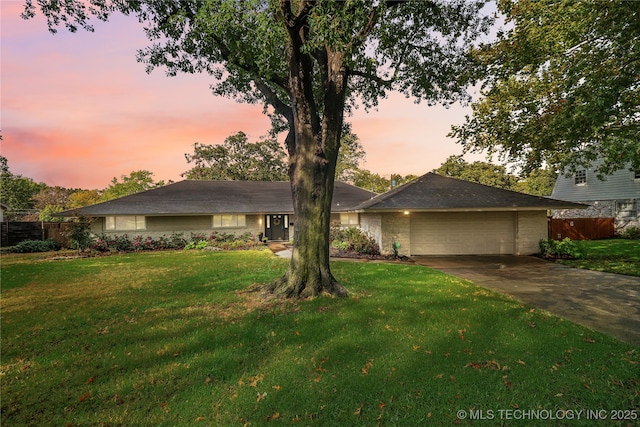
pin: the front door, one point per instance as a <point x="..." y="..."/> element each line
<point x="277" y="227"/>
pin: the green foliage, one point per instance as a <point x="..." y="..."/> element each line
<point x="197" y="244"/>
<point x="631" y="233"/>
<point x="81" y="198"/>
<point x="136" y="182"/>
<point x="396" y="249"/>
<point x="174" y="339"/>
<point x="17" y="191"/>
<point x="46" y="213"/>
<point x="566" y="248"/>
<point x="125" y="243"/>
<point x="378" y="184"/>
<point x="562" y="86"/>
<point x="29" y="246"/>
<point x="538" y="182"/>
<point x="79" y="233"/>
<point x="350" y="156"/>
<point x="354" y="240"/>
<point x="479" y="172"/>
<point x="238" y="159"/>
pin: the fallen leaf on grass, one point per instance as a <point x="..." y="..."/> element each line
<point x="589" y="340"/>
<point x="366" y="367"/>
<point x="358" y="411"/>
<point x="91" y="380"/>
<point x="274" y="416"/>
<point x="261" y="396"/>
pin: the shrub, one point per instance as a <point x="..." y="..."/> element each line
<point x="199" y="244"/>
<point x="122" y="243"/>
<point x="353" y="240"/>
<point x="631" y="233"/>
<point x="566" y="248"/>
<point x="79" y="233"/>
<point x="29" y="246"/>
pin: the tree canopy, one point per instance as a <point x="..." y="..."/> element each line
<point x="134" y="183"/>
<point x="538" y="182"/>
<point x="563" y="86"/>
<point x="238" y="159"/>
<point x="17" y="191"/>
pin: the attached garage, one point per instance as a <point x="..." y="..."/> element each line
<point x="438" y="215"/>
<point x="462" y="233"/>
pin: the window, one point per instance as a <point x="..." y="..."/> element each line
<point x="229" y="220"/>
<point x="581" y="177"/>
<point x="125" y="222"/>
<point x="626" y="208"/>
<point x="348" y="219"/>
<point x="636" y="174"/>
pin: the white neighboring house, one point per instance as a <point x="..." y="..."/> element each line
<point x="617" y="196"/>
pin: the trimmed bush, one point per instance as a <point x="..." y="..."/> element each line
<point x="30" y="246"/>
<point x="123" y="243"/>
<point x="353" y="240"/>
<point x="566" y="248"/>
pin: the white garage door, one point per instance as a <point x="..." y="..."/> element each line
<point x="462" y="233"/>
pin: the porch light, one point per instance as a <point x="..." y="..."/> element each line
<point x="406" y="212"/>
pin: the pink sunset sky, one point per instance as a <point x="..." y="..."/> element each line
<point x="79" y="110"/>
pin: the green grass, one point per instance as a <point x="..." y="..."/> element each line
<point x="612" y="255"/>
<point x="171" y="338"/>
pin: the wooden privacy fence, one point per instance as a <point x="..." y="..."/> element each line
<point x="581" y="228"/>
<point x="15" y="232"/>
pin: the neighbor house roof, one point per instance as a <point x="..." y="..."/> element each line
<point x="436" y="192"/>
<point x="195" y="197"/>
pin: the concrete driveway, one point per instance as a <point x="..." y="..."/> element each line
<point x="605" y="302"/>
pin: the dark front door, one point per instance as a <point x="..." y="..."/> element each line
<point x="277" y="227"/>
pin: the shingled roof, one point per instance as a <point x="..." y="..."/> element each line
<point x="196" y="197"/>
<point x="441" y="193"/>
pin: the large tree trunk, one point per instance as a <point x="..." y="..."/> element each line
<point x="312" y="179"/>
<point x="313" y="143"/>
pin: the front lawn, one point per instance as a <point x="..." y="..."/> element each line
<point x="620" y="256"/>
<point x="171" y="338"/>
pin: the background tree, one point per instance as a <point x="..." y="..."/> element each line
<point x="480" y="172"/>
<point x="539" y="182"/>
<point x="136" y="182"/>
<point x="350" y="155"/>
<point x="238" y="159"/>
<point x="308" y="61"/>
<point x="562" y="86"/>
<point x="377" y="183"/>
<point x="17" y="191"/>
<point x="80" y="198"/>
<point x="51" y="200"/>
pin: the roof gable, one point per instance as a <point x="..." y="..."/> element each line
<point x="197" y="197"/>
<point x="437" y="192"/>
